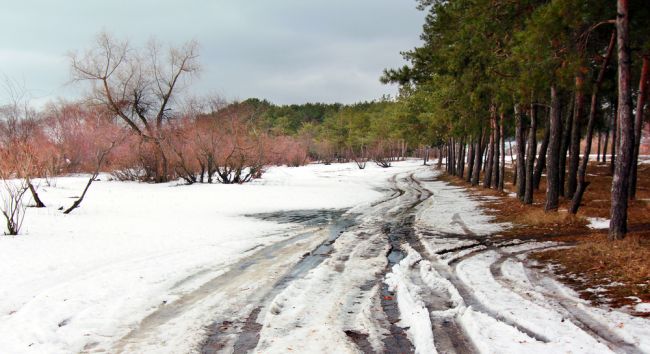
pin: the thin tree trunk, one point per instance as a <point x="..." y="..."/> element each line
<point x="541" y="159"/>
<point x="530" y="162"/>
<point x="439" y="157"/>
<point x="564" y="147"/>
<point x="598" y="148"/>
<point x="495" y="160"/>
<point x="553" y="158"/>
<point x="582" y="184"/>
<point x="100" y="160"/>
<point x="478" y="159"/>
<point x="459" y="157"/>
<point x="576" y="127"/>
<point x="502" y="171"/>
<point x="37" y="199"/>
<point x="470" y="161"/>
<point x="638" y="123"/>
<point x="605" y="145"/>
<point x="463" y="154"/>
<point x="487" y="179"/>
<point x="521" y="153"/>
<point x="621" y="180"/>
<point x="615" y="142"/>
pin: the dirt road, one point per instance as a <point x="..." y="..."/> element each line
<point x="419" y="271"/>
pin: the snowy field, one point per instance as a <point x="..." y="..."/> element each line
<point x="144" y="268"/>
<point x="92" y="275"/>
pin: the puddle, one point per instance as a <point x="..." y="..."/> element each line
<point x="307" y="217"/>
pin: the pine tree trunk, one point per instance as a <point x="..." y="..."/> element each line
<point x="530" y="162"/>
<point x="461" y="156"/>
<point x="553" y="158"/>
<point x="576" y="128"/>
<point x="470" y="161"/>
<point x="502" y="171"/>
<point x="605" y="146"/>
<point x="638" y="123"/>
<point x="582" y="184"/>
<point x="452" y="157"/>
<point x="564" y="147"/>
<point x="497" y="156"/>
<point x="621" y="181"/>
<point x="487" y="179"/>
<point x="478" y="159"/>
<point x="615" y="142"/>
<point x="598" y="148"/>
<point x="521" y="153"/>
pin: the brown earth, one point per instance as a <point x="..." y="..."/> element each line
<point x="614" y="273"/>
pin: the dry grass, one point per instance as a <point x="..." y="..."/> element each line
<point x="620" y="270"/>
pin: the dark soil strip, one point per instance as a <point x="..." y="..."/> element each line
<point x="361" y="340"/>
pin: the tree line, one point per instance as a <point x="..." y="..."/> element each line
<point x="552" y="73"/>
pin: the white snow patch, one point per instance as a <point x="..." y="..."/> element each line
<point x="642" y="307"/>
<point x="562" y="334"/>
<point x="598" y="223"/>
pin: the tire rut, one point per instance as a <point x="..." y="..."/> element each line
<point x="566" y="306"/>
<point x="449" y="336"/>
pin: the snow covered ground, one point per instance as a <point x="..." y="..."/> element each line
<point x="413" y="266"/>
<point x="91" y="276"/>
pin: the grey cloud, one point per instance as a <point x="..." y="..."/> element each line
<point x="288" y="51"/>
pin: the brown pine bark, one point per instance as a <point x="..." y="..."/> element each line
<point x="564" y="146"/>
<point x="530" y="162"/>
<point x="460" y="170"/>
<point x="521" y="153"/>
<point x="604" y="159"/>
<point x="576" y="130"/>
<point x="553" y="158"/>
<point x="470" y="160"/>
<point x="487" y="179"/>
<point x="638" y="122"/>
<point x="497" y="154"/>
<point x="582" y="184"/>
<point x="598" y="148"/>
<point x="502" y="170"/>
<point x="478" y="159"/>
<point x="621" y="180"/>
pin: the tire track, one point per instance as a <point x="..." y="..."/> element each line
<point x="566" y="306"/>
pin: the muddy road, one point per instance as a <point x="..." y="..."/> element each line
<point x="419" y="271"/>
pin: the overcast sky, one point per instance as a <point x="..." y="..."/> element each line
<point x="288" y="51"/>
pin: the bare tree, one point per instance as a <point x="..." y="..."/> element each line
<point x="137" y="85"/>
<point x="19" y="131"/>
<point x="12" y="190"/>
<point x="106" y="137"/>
